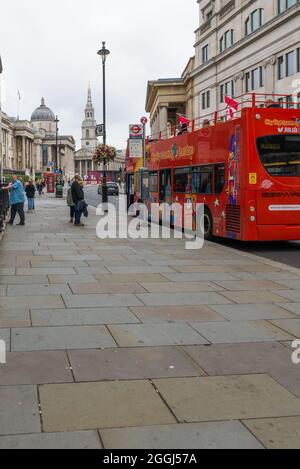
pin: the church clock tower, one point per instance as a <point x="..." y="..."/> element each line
<point x="88" y="128"/>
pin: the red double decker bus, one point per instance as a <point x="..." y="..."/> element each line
<point x="246" y="170"/>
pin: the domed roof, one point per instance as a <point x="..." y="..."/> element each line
<point x="43" y="113"/>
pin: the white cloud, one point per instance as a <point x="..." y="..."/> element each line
<point x="50" y="50"/>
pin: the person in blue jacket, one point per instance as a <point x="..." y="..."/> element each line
<point x="17" y="200"/>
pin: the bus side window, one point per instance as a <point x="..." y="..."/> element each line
<point x="219" y="178"/>
<point x="202" y="180"/>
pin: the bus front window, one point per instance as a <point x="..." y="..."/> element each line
<point x="280" y="155"/>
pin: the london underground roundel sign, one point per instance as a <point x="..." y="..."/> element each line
<point x="136" y="130"/>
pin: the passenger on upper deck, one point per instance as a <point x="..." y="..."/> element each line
<point x="183" y="129"/>
<point x="205" y="123"/>
<point x="270" y="103"/>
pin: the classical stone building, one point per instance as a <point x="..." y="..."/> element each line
<point x="31" y="147"/>
<point x="84" y="164"/>
<point x="242" y="46"/>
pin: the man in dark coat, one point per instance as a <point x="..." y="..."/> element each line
<point x="78" y="198"/>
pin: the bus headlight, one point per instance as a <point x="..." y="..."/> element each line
<point x="253" y="219"/>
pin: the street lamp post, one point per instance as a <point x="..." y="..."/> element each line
<point x="103" y="54"/>
<point x="56" y="137"/>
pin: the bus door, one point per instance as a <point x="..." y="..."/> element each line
<point x="165" y="186"/>
<point x="278" y="198"/>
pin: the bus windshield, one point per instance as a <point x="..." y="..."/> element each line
<point x="280" y="154"/>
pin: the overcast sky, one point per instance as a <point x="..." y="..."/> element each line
<point x="49" y="49"/>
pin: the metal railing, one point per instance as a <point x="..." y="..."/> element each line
<point x="247" y="100"/>
<point x="4" y="207"/>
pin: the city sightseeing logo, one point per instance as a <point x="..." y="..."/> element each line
<point x="136" y="223"/>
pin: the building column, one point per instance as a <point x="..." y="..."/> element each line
<point x="163" y="118"/>
<point x="80" y="168"/>
<point x="269" y="74"/>
<point x="23" y="164"/>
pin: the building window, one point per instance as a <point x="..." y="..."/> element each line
<point x="205" y="98"/>
<point x="227" y="89"/>
<point x="298" y="101"/>
<point x="87" y="134"/>
<point x="283" y="5"/>
<point x="288" y="64"/>
<point x="254" y="79"/>
<point x="205" y="54"/>
<point x="254" y="21"/>
<point x="227" y="40"/>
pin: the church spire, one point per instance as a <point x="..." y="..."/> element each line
<point x="89" y="110"/>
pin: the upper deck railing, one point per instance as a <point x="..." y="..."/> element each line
<point x="248" y="100"/>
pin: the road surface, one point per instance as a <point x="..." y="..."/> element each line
<point x="285" y="252"/>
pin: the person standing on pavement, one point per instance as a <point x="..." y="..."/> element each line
<point x="30" y="193"/>
<point x="17" y="200"/>
<point x="71" y="204"/>
<point x="78" y="199"/>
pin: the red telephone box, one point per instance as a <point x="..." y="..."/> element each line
<point x="50" y="182"/>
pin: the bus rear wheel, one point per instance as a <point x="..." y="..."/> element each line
<point x="208" y="225"/>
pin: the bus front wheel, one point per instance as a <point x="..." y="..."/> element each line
<point x="208" y="225"/>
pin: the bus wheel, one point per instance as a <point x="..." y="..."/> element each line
<point x="208" y="225"/>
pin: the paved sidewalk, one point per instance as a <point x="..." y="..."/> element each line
<point x="142" y="344"/>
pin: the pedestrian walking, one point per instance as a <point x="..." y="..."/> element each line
<point x="78" y="199"/>
<point x="17" y="200"/>
<point x="30" y="193"/>
<point x="71" y="204"/>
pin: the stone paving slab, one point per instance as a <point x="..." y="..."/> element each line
<point x="295" y="284"/>
<point x="227" y="398"/>
<point x="182" y="299"/>
<point x="289" y="379"/>
<point x="273" y="276"/>
<point x="139" y="335"/>
<point x="74" y="279"/>
<point x="46" y="271"/>
<point x="97" y="301"/>
<point x="292" y="307"/>
<point x="253" y="312"/>
<point x="293" y="295"/>
<point x="5" y="271"/>
<point x="14" y="318"/>
<point x="94" y="288"/>
<point x="280" y="433"/>
<point x="198" y="277"/>
<point x="61" y="338"/>
<point x="57" y="264"/>
<point x="240" y="331"/>
<point x="195" y="269"/>
<point x="253" y="297"/>
<point x="31" y="302"/>
<point x="19" y="280"/>
<point x="190" y="287"/>
<point x="74" y="407"/>
<point x="124" y="278"/>
<point x="134" y="363"/>
<point x="292" y="326"/>
<point x="43" y="290"/>
<point x="156" y="314"/>
<point x="132" y="269"/>
<point x="27" y="368"/>
<point x="64" y="441"/>
<point x="19" y="411"/>
<point x="210" y="435"/>
<point x="82" y="317"/>
<point x="3" y="289"/>
<point x="248" y="285"/>
<point x="242" y="359"/>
